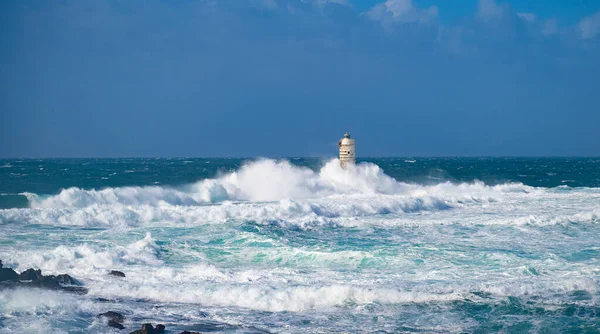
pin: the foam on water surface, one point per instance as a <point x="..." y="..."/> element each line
<point x="273" y="246"/>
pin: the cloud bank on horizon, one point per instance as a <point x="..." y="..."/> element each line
<point x="288" y="77"/>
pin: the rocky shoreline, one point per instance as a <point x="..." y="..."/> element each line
<point x="33" y="278"/>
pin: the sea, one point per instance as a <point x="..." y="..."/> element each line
<point x="300" y="245"/>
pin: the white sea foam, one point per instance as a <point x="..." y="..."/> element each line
<point x="262" y="191"/>
<point x="272" y="299"/>
<point x="270" y="180"/>
<point x="40" y="311"/>
<point x="298" y="212"/>
<point x="85" y="259"/>
<point x="347" y="210"/>
<point x="275" y="237"/>
<point x="592" y="216"/>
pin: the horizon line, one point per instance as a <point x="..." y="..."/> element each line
<point x="301" y="157"/>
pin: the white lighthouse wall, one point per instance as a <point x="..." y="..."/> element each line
<point x="347" y="151"/>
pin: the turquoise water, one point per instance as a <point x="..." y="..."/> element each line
<point x="300" y="245"/>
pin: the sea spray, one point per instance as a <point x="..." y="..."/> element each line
<point x="305" y="246"/>
<point x="270" y="180"/>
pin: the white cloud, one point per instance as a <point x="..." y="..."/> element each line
<point x="529" y="17"/>
<point x="403" y="11"/>
<point x="273" y="4"/>
<point x="270" y="4"/>
<point x="550" y="27"/>
<point x="338" y="2"/>
<point x="488" y="9"/>
<point x="589" y="27"/>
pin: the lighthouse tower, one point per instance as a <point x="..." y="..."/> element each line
<point x="347" y="150"/>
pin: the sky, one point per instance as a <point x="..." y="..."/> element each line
<point x="206" y="78"/>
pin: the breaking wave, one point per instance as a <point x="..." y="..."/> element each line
<point x="268" y="289"/>
<point x="85" y="258"/>
<point x="270" y="180"/>
<point x="263" y="191"/>
<point x="316" y="249"/>
<point x="302" y="214"/>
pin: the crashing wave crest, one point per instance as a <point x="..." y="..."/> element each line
<point x="270" y="180"/>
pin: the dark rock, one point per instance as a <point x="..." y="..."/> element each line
<point x="113" y="315"/>
<point x="187" y="332"/>
<point x="67" y="280"/>
<point x="34" y="278"/>
<point x="7" y="274"/>
<point x="0" y="263"/>
<point x="115" y="324"/>
<point x="30" y="275"/>
<point x="48" y="282"/>
<point x="115" y="319"/>
<point x="117" y="273"/>
<point x="144" y="330"/>
<point x="148" y="329"/>
<point x="75" y="289"/>
<point x="55" y="282"/>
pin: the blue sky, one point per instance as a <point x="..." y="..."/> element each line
<point x="450" y="11"/>
<point x="289" y="77"/>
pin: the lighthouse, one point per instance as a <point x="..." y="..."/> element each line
<point x="347" y="150"/>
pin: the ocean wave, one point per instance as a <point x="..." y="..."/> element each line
<point x="304" y="213"/>
<point x="592" y="216"/>
<point x="86" y="259"/>
<point x="270" y="180"/>
<point x="348" y="211"/>
<point x="39" y="311"/>
<point x="279" y="289"/>
<point x="285" y="295"/>
<point x="271" y="299"/>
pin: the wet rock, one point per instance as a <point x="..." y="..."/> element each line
<point x="187" y="332"/>
<point x="7" y="274"/>
<point x="74" y="289"/>
<point x="30" y="275"/>
<point x="115" y="319"/>
<point x="48" y="282"/>
<point x="117" y="273"/>
<point x="67" y="280"/>
<point x="115" y="324"/>
<point x="118" y="317"/>
<point x="148" y="329"/>
<point x="34" y="278"/>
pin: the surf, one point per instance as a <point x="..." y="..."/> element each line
<point x="268" y="180"/>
